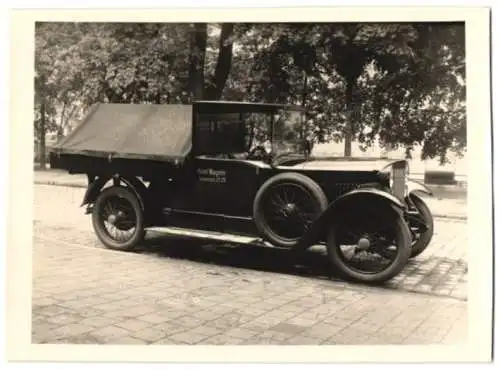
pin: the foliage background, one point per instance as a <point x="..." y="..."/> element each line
<point x="395" y="86"/>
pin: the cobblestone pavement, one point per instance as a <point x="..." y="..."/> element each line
<point x="440" y="270"/>
<point x="191" y="291"/>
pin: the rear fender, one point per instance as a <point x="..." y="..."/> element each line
<point x="352" y="201"/>
<point x="97" y="183"/>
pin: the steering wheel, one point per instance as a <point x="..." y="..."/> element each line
<point x="259" y="152"/>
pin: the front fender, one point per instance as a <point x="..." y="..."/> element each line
<point x="415" y="187"/>
<point x="368" y="193"/>
<point x="353" y="201"/>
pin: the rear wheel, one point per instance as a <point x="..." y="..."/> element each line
<point x="118" y="218"/>
<point x="285" y="207"/>
<point x="357" y="249"/>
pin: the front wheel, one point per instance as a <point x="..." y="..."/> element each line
<point x="357" y="248"/>
<point x="286" y="206"/>
<point x="118" y="219"/>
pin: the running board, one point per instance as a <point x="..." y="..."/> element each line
<point x="203" y="234"/>
<point x="212" y="235"/>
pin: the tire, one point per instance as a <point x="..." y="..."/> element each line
<point x="101" y="208"/>
<point x="400" y="256"/>
<point x="420" y="244"/>
<point x="309" y="204"/>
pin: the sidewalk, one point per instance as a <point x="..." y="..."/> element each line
<point x="448" y="201"/>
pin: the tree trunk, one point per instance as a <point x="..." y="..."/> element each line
<point x="218" y="81"/>
<point x="349" y="128"/>
<point x="303" y="132"/>
<point x="304" y="89"/>
<point x="60" y="128"/>
<point x="197" y="61"/>
<point x="41" y="154"/>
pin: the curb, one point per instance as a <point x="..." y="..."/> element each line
<point x="82" y="186"/>
<point x="450" y="217"/>
<point x="58" y="183"/>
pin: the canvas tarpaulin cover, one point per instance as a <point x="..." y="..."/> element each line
<point x="139" y="131"/>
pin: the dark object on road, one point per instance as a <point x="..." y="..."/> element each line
<point x="246" y="169"/>
<point x="440" y="178"/>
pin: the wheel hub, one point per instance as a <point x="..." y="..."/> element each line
<point x="112" y="219"/>
<point x="363" y="243"/>
<point x="115" y="217"/>
<point x="290" y="208"/>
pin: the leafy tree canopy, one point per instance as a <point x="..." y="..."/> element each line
<point x="399" y="85"/>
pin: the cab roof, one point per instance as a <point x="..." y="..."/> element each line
<point x="237" y="106"/>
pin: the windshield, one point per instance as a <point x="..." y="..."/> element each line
<point x="288" y="132"/>
<point x="280" y="132"/>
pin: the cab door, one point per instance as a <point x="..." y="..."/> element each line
<point x="226" y="186"/>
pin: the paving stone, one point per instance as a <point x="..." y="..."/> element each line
<point x="199" y="334"/>
<point x="322" y="330"/>
<point x="37" y="321"/>
<point x="110" y="331"/>
<point x="231" y="320"/>
<point x="170" y="327"/>
<point x="64" y="319"/>
<point x="133" y="312"/>
<point x="133" y="324"/>
<point x="70" y="330"/>
<point x="89" y="312"/>
<point x="153" y="318"/>
<point x="97" y="286"/>
<point x="99" y="321"/>
<point x="221" y="340"/>
<point x="51" y="310"/>
<point x="385" y="339"/>
<point x="206" y="330"/>
<point x="129" y="341"/>
<point x="85" y="302"/>
<point x="149" y="334"/>
<point x="82" y="339"/>
<point x="167" y="342"/>
<point x="45" y="301"/>
<point x="188" y="337"/>
<point x="268" y="337"/>
<point x="207" y="315"/>
<point x="241" y="333"/>
<point x="251" y="311"/>
<point x="347" y="338"/>
<point x="288" y="328"/>
<point x="109" y="306"/>
<point x="303" y="340"/>
<point x="41" y="332"/>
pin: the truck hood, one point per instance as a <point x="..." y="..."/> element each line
<point x="345" y="164"/>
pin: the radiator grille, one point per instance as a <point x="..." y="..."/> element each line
<point x="398" y="186"/>
<point x="342" y="188"/>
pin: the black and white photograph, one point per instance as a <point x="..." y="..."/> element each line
<point x="244" y="183"/>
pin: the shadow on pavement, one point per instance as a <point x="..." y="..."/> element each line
<point x="312" y="263"/>
<point x="423" y="274"/>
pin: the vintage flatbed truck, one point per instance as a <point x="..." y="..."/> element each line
<point x="245" y="169"/>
